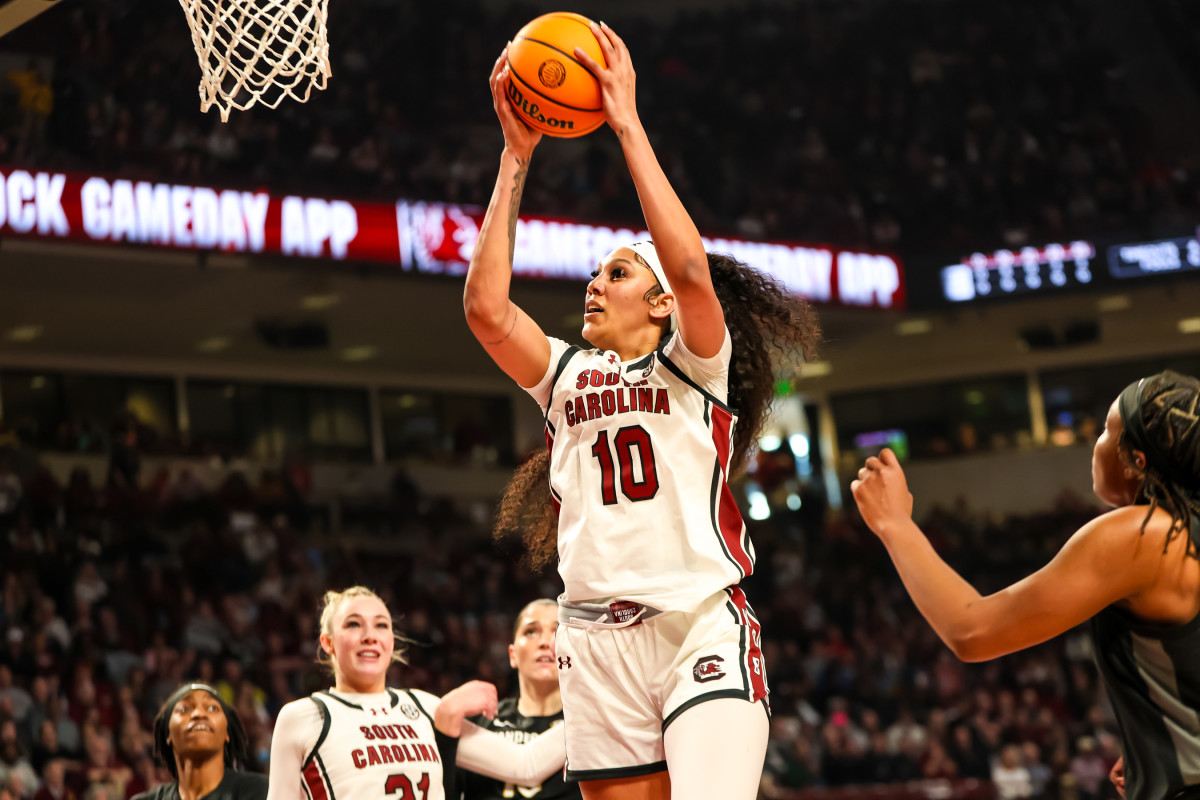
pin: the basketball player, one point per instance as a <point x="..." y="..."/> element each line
<point x="363" y="739"/>
<point x="536" y="709"/>
<point x="663" y="684"/>
<point x="1133" y="572"/>
<point x="201" y="741"/>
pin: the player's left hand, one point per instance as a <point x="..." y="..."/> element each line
<point x="881" y="492"/>
<point x="618" y="83"/>
<point x="473" y="698"/>
<point x="518" y="136"/>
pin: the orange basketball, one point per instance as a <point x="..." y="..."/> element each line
<point x="551" y="91"/>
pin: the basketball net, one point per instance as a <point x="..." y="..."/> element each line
<point x="258" y="51"/>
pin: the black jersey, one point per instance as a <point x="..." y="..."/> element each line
<point x="512" y="724"/>
<point x="234" y="786"/>
<point x="1152" y="674"/>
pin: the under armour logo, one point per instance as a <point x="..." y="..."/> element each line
<point x="612" y="358"/>
<point x="564" y="662"/>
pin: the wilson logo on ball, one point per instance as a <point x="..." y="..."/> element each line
<point x="532" y="111"/>
<point x="552" y="73"/>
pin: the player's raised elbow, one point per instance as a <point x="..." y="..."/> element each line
<point x="484" y="317"/>
<point x="693" y="272"/>
<point x="971" y="647"/>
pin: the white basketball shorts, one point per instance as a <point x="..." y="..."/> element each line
<point x="622" y="687"/>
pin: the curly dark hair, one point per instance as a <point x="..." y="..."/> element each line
<point x="237" y="749"/>
<point x="765" y="320"/>
<point x="1169" y="411"/>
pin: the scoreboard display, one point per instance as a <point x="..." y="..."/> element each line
<point x="1028" y="271"/>
<point x="1163" y="257"/>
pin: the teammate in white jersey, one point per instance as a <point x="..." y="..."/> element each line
<point x="362" y="740"/>
<point x="663" y="684"/>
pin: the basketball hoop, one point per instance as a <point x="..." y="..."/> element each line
<point x="258" y="51"/>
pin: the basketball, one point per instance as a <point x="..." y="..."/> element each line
<point x="551" y="91"/>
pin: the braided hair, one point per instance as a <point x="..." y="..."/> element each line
<point x="237" y="749"/>
<point x="764" y="319"/>
<point x="1161" y="418"/>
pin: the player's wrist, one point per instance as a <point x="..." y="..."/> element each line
<point x="521" y="154"/>
<point x="628" y="128"/>
<point x="448" y="719"/>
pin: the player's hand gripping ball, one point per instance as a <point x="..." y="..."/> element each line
<point x="551" y="91"/>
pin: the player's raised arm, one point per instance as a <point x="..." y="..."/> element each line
<point x="1107" y="560"/>
<point x="676" y="239"/>
<point x="511" y="338"/>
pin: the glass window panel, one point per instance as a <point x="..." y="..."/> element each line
<point x="96" y="402"/>
<point x="32" y="405"/>
<point x="351" y="419"/>
<point x="410" y="424"/>
<point x="212" y="413"/>
<point x="1077" y="399"/>
<point x="932" y="420"/>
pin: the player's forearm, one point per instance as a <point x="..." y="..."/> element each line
<point x="489" y="276"/>
<point x="676" y="239"/>
<point x="526" y="764"/>
<point x="944" y="598"/>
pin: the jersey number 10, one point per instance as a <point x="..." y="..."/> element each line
<point x="626" y="440"/>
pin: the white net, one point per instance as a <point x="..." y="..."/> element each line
<point x="258" y="51"/>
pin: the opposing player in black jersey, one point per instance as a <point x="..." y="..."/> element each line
<point x="1133" y="573"/>
<point x="201" y="741"/>
<point x="536" y="709"/>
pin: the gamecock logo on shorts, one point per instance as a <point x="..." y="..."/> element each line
<point x="708" y="668"/>
<point x="552" y="73"/>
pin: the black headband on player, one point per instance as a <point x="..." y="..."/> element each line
<point x="1129" y="404"/>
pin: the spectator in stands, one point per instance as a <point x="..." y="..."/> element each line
<point x="125" y="459"/>
<point x="47" y="749"/>
<point x="15" y="770"/>
<point x="54" y="783"/>
<point x="1088" y="768"/>
<point x="1040" y="775"/>
<point x="1011" y="777"/>
<point x="102" y="768"/>
<point x="11" y="492"/>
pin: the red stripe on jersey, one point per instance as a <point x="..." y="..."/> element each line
<point x="729" y="518"/>
<point x="314" y="781"/>
<point x="755" y="666"/>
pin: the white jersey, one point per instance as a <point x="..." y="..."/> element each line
<point x="639" y="459"/>
<point x="342" y="746"/>
<point x="373" y="750"/>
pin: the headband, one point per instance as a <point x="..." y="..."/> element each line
<point x="1129" y="404"/>
<point x="648" y="254"/>
<point x="179" y="693"/>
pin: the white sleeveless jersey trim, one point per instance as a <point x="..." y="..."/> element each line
<point x="367" y="751"/>
<point x="639" y="458"/>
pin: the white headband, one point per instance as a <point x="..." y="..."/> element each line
<point x="650" y="256"/>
